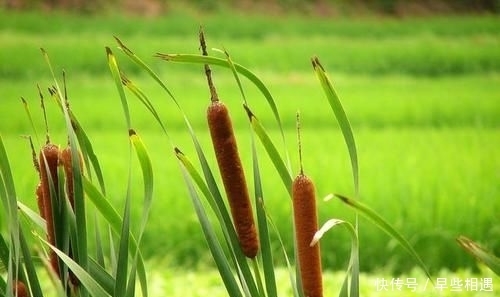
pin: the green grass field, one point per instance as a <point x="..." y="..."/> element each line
<point x="423" y="96"/>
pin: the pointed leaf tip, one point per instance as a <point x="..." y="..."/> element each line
<point x="249" y="112"/>
<point x="131" y="132"/>
<point x="178" y="152"/>
<point x="316" y="63"/>
<point x="123" y="46"/>
<point x="326" y="226"/>
<point x="343" y="198"/>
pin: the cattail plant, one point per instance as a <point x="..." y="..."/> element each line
<point x="306" y="224"/>
<point x="230" y="166"/>
<point x="48" y="160"/>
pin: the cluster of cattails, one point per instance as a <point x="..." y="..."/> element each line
<point x="49" y="160"/>
<point x="306" y="224"/>
<point x="230" y="167"/>
<point x="47" y="164"/>
<point x="233" y="178"/>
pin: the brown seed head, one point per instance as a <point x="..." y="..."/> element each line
<point x="19" y="289"/>
<point x="233" y="177"/>
<point x="306" y="225"/>
<point x="65" y="160"/>
<point x="49" y="159"/>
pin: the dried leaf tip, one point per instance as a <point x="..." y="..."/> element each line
<point x="131" y="132"/>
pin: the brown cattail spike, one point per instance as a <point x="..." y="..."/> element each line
<point x="233" y="177"/>
<point x="19" y="289"/>
<point x="306" y="225"/>
<point x="230" y="167"/>
<point x="49" y="158"/>
<point x="65" y="159"/>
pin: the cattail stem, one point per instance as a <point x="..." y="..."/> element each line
<point x="208" y="72"/>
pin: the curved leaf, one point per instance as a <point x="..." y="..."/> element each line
<point x="387" y="228"/>
<point x="342" y="119"/>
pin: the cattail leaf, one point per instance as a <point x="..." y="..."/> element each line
<point x="31" y="271"/>
<point x="115" y="221"/>
<point x="92" y="286"/>
<point x="101" y="276"/>
<point x="4" y="254"/>
<point x="33" y="216"/>
<point x="271" y="150"/>
<point x="352" y="271"/>
<point x="86" y="149"/>
<point x="147" y="175"/>
<point x="264" y="238"/>
<point x="295" y="286"/>
<point x="144" y="100"/>
<point x="30" y="118"/>
<point x="3" y="286"/>
<point x="11" y="257"/>
<point x="481" y="254"/>
<point x="324" y="228"/>
<point x="218" y="207"/>
<point x="342" y="119"/>
<point x="9" y="201"/>
<point x="143" y="65"/>
<point x="387" y="228"/>
<point x="123" y="250"/>
<point x="201" y="59"/>
<point x="131" y="281"/>
<point x="213" y="242"/>
<point x="237" y="77"/>
<point x="99" y="255"/>
<point x="115" y="72"/>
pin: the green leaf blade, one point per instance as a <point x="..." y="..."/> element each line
<point x="341" y="117"/>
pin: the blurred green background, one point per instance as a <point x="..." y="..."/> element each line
<point x="420" y="82"/>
